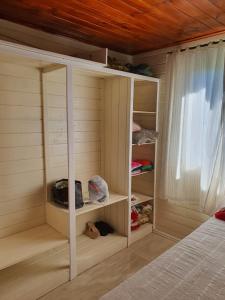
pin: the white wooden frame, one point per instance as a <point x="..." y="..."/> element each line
<point x="145" y="230"/>
<point x="71" y="172"/>
<point x="79" y="64"/>
<point x="70" y="150"/>
<point x="54" y="58"/>
<point x="156" y="156"/>
<point x="130" y="158"/>
<point x="45" y="132"/>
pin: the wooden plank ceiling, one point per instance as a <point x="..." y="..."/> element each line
<point x="129" y="26"/>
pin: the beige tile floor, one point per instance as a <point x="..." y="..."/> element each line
<point x="95" y="282"/>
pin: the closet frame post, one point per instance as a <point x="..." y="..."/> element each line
<point x="130" y="157"/>
<point x="45" y="130"/>
<point x="71" y="172"/>
<point x="156" y="160"/>
<point x="70" y="152"/>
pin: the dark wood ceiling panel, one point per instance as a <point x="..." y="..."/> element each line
<point x="130" y="26"/>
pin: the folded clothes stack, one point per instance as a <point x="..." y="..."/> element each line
<point x="142" y="135"/>
<point x="135" y="167"/>
<point x="139" y="166"/>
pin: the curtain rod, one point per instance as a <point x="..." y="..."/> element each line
<point x="194" y="47"/>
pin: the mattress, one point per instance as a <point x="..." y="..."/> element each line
<point x="192" y="269"/>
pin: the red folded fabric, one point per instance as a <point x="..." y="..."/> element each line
<point x="144" y="162"/>
<point x="220" y="214"/>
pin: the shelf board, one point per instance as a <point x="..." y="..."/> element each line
<point x="141" y="232"/>
<point x="92" y="251"/>
<point x="144" y="112"/>
<point x="153" y="143"/>
<point x="27" y="244"/>
<point x="142" y="198"/>
<point x="145" y="172"/>
<point x="113" y="198"/>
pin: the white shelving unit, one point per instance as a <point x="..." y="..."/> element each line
<point x="64" y="117"/>
<point x="143" y="183"/>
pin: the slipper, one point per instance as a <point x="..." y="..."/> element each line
<point x="91" y="231"/>
<point x="104" y="228"/>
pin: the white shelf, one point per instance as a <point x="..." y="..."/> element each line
<point x="92" y="251"/>
<point x="113" y="198"/>
<point x="27" y="244"/>
<point x="153" y="143"/>
<point x="144" y="112"/>
<point x="141" y="232"/>
<point x="142" y="198"/>
<point x="145" y="172"/>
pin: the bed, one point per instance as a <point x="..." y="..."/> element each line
<point x="192" y="269"/>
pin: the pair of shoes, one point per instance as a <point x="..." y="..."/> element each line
<point x="91" y="231"/>
<point x="104" y="228"/>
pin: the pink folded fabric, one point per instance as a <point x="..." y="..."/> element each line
<point x="136" y="127"/>
<point x="135" y="165"/>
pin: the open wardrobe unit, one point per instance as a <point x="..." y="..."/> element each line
<point x="67" y="118"/>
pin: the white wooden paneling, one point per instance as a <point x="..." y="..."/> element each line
<point x="19" y="217"/>
<point x="86" y="127"/>
<point x="145" y="94"/>
<point x="20" y="126"/>
<point x="115" y="147"/>
<point x="115" y="133"/>
<point x="22" y="226"/>
<point x="20" y="112"/>
<point x="7" y="207"/>
<point x="146" y="151"/>
<point x="144" y="183"/>
<point x="15" y="98"/>
<point x="21" y="166"/>
<point x="13" y="70"/>
<point x="19" y="84"/>
<point x="21" y="153"/>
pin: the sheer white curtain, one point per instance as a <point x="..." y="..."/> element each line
<point x="193" y="162"/>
